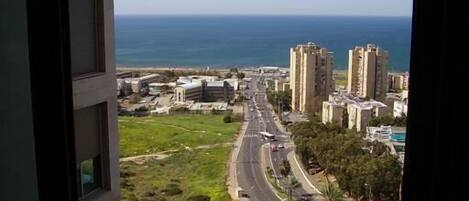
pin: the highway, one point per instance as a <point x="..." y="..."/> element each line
<point x="250" y="174"/>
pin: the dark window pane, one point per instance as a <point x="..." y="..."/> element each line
<point x="90" y="176"/>
<point x="84" y="36"/>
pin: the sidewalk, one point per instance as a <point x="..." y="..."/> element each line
<point x="232" y="179"/>
<point x="303" y="177"/>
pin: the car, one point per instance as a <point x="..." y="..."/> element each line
<point x="280" y="146"/>
<point x="273" y="147"/>
<point x="306" y="197"/>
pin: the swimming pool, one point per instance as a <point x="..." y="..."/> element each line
<point x="398" y="137"/>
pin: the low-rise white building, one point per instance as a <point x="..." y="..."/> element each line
<point x="400" y="107"/>
<point x="196" y="79"/>
<point x="234" y="83"/>
<point x="156" y="88"/>
<point x="269" y="69"/>
<point x="342" y="105"/>
<point x="186" y="92"/>
<point x="393" y="137"/>
<point x="123" y="87"/>
<point x="204" y="91"/>
<point x="139" y="82"/>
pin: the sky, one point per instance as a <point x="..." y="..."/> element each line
<point x="265" y="7"/>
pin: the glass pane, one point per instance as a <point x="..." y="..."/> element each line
<point x="89" y="176"/>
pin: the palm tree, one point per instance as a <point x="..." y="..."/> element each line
<point x="332" y="192"/>
<point x="290" y="184"/>
<point x="285" y="168"/>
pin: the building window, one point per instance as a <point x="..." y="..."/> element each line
<point x="90" y="127"/>
<point x="90" y="176"/>
<point x="86" y="37"/>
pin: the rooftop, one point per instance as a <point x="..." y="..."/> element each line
<point x="216" y="84"/>
<point x="157" y="84"/>
<point x="343" y="98"/>
<point x="190" y="85"/>
<point x="149" y="76"/>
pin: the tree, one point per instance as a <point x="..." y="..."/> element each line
<point x="228" y="75"/>
<point x="240" y="75"/>
<point x="291" y="183"/>
<point x="331" y="192"/>
<point x="285" y="168"/>
<point x="227" y="119"/>
<point x="214" y="111"/>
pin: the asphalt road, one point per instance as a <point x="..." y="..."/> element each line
<point x="250" y="175"/>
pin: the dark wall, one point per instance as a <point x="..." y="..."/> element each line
<point x="17" y="158"/>
<point x="437" y="147"/>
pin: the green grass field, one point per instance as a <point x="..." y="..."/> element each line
<point x="143" y="135"/>
<point x="184" y="173"/>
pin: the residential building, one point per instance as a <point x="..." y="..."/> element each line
<point x="398" y="81"/>
<point x="333" y="112"/>
<point x="405" y="94"/>
<point x="359" y="114"/>
<point x="349" y="111"/>
<point x="368" y="72"/>
<point x="281" y="85"/>
<point x="286" y="86"/>
<point x="310" y="77"/>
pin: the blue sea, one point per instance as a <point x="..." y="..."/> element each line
<point x="247" y="41"/>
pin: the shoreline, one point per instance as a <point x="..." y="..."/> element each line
<point x="225" y="69"/>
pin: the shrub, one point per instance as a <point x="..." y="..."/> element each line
<point x="142" y="109"/>
<point x="172" y="189"/>
<point x="227" y="119"/>
<point x="199" y="198"/>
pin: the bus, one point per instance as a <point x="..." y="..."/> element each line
<point x="267" y="135"/>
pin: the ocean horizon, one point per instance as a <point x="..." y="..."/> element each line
<point x="225" y="41"/>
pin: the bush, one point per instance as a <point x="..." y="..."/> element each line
<point x="227" y="119"/>
<point x="180" y="109"/>
<point x="142" y="109"/>
<point x="172" y="189"/>
<point x="199" y="198"/>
